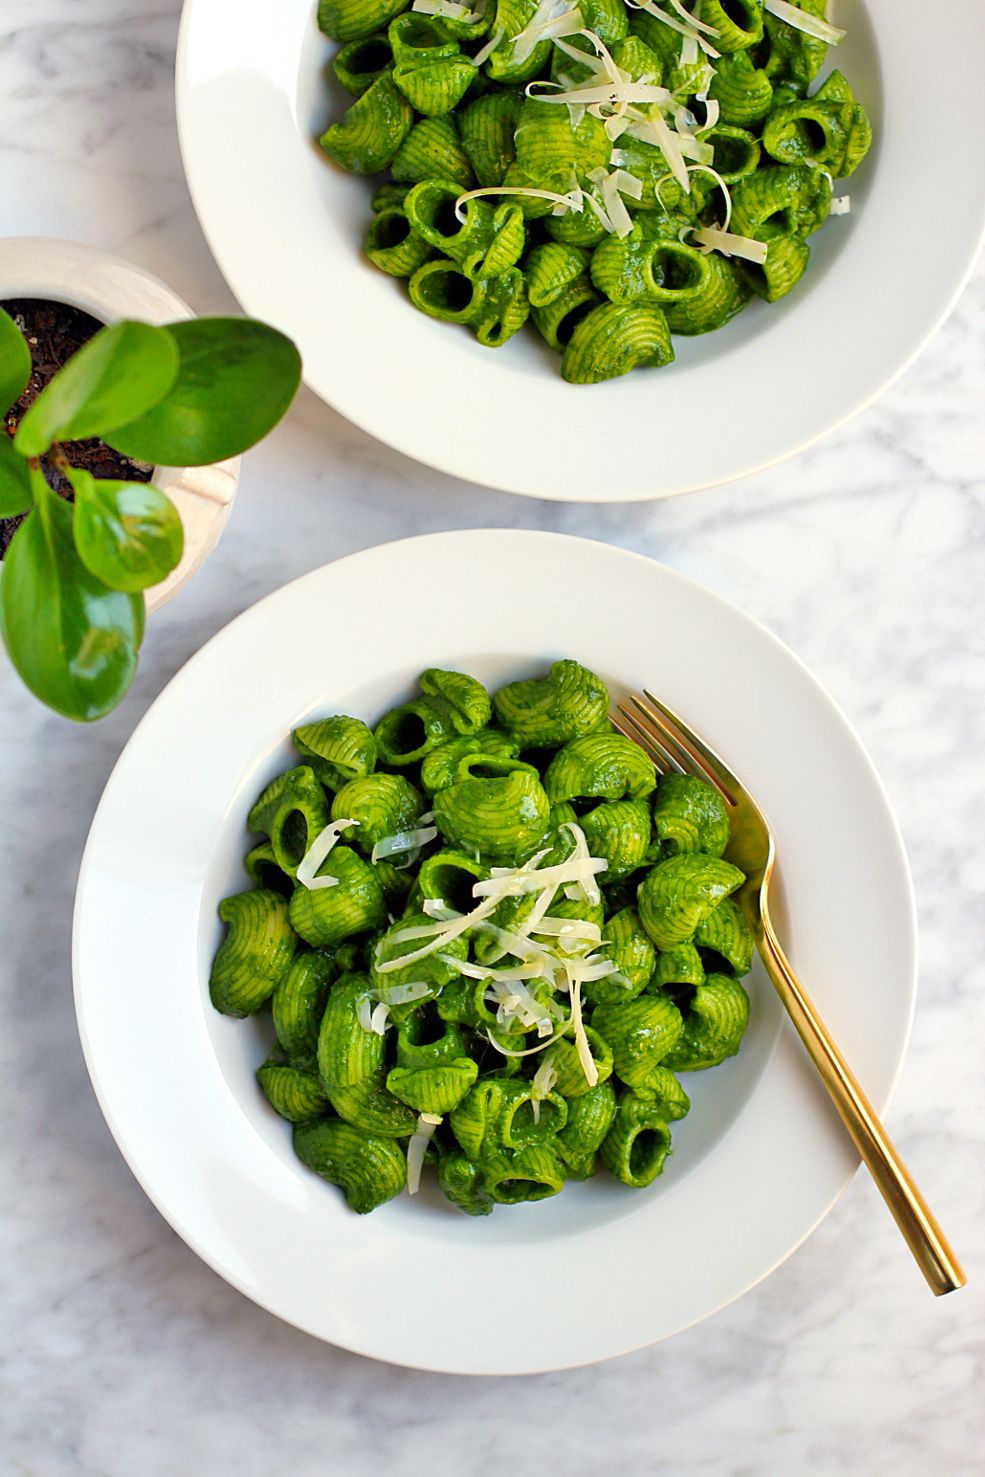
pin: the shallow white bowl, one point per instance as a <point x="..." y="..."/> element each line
<point x="600" y="1269"/>
<point x="286" y="228"/>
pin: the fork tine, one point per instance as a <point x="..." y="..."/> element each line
<point x="664" y="759"/>
<point x="715" y="768"/>
<point x="684" y="760"/>
<point x="689" y="763"/>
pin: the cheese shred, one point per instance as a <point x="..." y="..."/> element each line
<point x="316" y="854"/>
<point x="417" y="1147"/>
<point x="811" y="25"/>
<point x="709" y="238"/>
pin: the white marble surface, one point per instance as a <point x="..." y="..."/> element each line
<point x="122" y="1352"/>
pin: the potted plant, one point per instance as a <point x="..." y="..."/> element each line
<point x="87" y="284"/>
<point x="191" y="393"/>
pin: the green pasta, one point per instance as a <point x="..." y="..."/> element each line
<point x="256" y="953"/>
<point x="532" y="1173"/>
<point x="597" y="169"/>
<point x="690" y="816"/>
<point x="381" y="804"/>
<point x="713" y="1027"/>
<point x="433" y="150"/>
<point x="633" y="954"/>
<point x="294" y="1093"/>
<point x="369" y="1170"/>
<point x="636" y="1146"/>
<point x="394" y="246"/>
<point x="679" y="894"/>
<point x="291" y="811"/>
<point x="326" y="917"/>
<point x="606" y="765"/>
<point x="430" y="70"/>
<point x="505" y="816"/>
<point x="337" y="749"/>
<point x="358" y="65"/>
<point x="439" y="767"/>
<point x="372" y="130"/>
<point x="298" y="1004"/>
<point x="506" y="985"/>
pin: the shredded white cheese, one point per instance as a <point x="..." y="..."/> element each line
<point x="564" y="202"/>
<point x="676" y="25"/>
<point x="610" y="93"/>
<point x="712" y="111"/>
<point x="712" y="239"/>
<point x="440" y="934"/>
<point x="811" y="25"/>
<point x="489" y="48"/>
<point x="585" y="888"/>
<point x="691" y="147"/>
<point x="544" y="1078"/>
<point x="316" y="854"/>
<point x="585" y="1057"/>
<point x="613" y="96"/>
<point x="417" y="1148"/>
<point x="653" y="129"/>
<point x="584" y="58"/>
<point x="517" y="883"/>
<point x="611" y="184"/>
<point x="531" y="1050"/>
<point x="705" y="169"/>
<point x="689" y="52"/>
<point x="543" y="1082"/>
<point x="448" y="10"/>
<point x="375" y="1019"/>
<point x="569" y="930"/>
<point x="515" y="1002"/>
<point x="692" y="20"/>
<point x="403" y="994"/>
<point x="564" y="968"/>
<point x="410" y="841"/>
<point x="550" y="20"/>
<point x="378" y="1020"/>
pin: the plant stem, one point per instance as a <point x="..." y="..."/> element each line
<point x="39" y="486"/>
<point x="58" y="459"/>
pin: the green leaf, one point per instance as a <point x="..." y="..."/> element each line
<point x="15" y="483"/>
<point x="15" y="361"/>
<point x="120" y="373"/>
<point x="72" y="639"/>
<point x="128" y="534"/>
<point x="237" y="378"/>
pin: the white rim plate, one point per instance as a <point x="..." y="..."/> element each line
<point x="598" y="1270"/>
<point x="286" y="228"/>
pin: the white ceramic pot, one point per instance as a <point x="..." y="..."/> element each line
<point x="110" y="288"/>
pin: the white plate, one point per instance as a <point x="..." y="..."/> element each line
<point x="286" y="228"/>
<point x="600" y="1269"/>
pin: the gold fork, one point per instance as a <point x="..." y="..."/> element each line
<point x="676" y="748"/>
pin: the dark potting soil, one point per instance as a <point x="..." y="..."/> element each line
<point x="55" y="332"/>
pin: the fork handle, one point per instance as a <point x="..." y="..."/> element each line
<point x="910" y="1211"/>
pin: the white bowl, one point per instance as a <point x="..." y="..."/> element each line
<point x="599" y="1269"/>
<point x="110" y="288"/>
<point x="286" y="228"/>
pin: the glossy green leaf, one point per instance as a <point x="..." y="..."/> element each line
<point x="237" y="378"/>
<point x="120" y="373"/>
<point x="72" y="639"/>
<point x="15" y="361"/>
<point x="15" y="484"/>
<point x="128" y="534"/>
